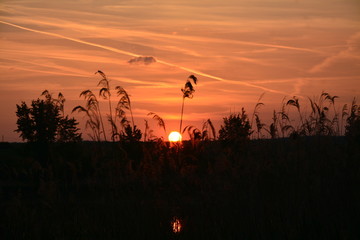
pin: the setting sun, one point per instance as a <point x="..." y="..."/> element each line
<point x="174" y="137"/>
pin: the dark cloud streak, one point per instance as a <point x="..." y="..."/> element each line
<point x="142" y="60"/>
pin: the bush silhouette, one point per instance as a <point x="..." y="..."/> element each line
<point x="352" y="128"/>
<point x="236" y="127"/>
<point x="43" y="121"/>
<point x="130" y="134"/>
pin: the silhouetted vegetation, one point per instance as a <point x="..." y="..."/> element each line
<point x="352" y="128"/>
<point x="301" y="188"/>
<point x="188" y="92"/>
<point x="303" y="183"/>
<point x="45" y="122"/>
<point x="120" y="125"/>
<point x="130" y="134"/>
<point x="236" y="127"/>
<point x="207" y="133"/>
<point x="148" y="134"/>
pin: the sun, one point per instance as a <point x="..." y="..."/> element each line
<point x="175" y="137"/>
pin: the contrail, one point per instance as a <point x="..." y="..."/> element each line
<point x="217" y="40"/>
<point x="221" y="79"/>
<point x="137" y="55"/>
<point x="73" y="39"/>
<point x="280" y="46"/>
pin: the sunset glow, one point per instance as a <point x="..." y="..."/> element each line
<point x="179" y="119"/>
<point x="237" y="49"/>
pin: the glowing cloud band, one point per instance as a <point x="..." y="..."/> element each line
<point x="137" y="55"/>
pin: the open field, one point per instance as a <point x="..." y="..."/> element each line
<point x="302" y="188"/>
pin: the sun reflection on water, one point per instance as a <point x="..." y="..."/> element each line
<point x="176" y="225"/>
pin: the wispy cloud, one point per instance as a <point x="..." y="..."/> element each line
<point x="182" y="50"/>
<point x="72" y="39"/>
<point x="56" y="73"/>
<point x="203" y="74"/>
<point x="268" y="47"/>
<point x="234" y="82"/>
<point x="352" y="52"/>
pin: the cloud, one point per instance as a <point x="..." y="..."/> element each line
<point x="72" y="39"/>
<point x="145" y="60"/>
<point x="346" y="57"/>
<point x="136" y="58"/>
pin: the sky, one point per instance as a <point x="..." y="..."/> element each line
<point x="238" y="50"/>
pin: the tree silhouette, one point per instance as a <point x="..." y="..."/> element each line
<point x="187" y="91"/>
<point x="42" y="122"/>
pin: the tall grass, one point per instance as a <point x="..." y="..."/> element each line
<point x="188" y="92"/>
<point x="322" y="120"/>
<point x="160" y="123"/>
<point x="105" y="93"/>
<point x="218" y="186"/>
<point x="120" y="125"/>
<point x="259" y="124"/>
<point x="93" y="113"/>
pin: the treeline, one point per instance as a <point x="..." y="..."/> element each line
<point x="301" y="184"/>
<point x="45" y="121"/>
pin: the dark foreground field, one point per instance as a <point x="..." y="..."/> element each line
<point x="305" y="188"/>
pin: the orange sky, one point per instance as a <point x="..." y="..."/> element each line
<point x="237" y="48"/>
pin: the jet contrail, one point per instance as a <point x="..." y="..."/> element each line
<point x="220" y="79"/>
<point x="137" y="55"/>
<point x="73" y="39"/>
